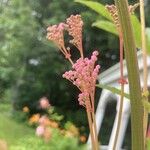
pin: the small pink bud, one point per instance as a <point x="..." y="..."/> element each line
<point x="40" y="130"/>
<point x="95" y="53"/>
<point x="61" y="26"/>
<point x="94" y="58"/>
<point x="44" y="103"/>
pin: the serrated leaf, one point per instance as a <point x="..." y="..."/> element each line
<point x="106" y="25"/>
<point x="113" y="90"/>
<point x="97" y="7"/>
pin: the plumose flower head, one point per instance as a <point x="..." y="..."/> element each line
<point x="84" y="76"/>
<point x="75" y="25"/>
<point x="55" y="34"/>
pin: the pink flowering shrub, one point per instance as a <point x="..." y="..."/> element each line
<point x="44" y="128"/>
<point x="48" y="123"/>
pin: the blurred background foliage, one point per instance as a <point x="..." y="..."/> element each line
<point x="32" y="67"/>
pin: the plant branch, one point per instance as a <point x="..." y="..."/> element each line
<point x="119" y="117"/>
<point x="145" y="71"/>
<point x="122" y="82"/>
<point x="91" y="129"/>
<point x="133" y="75"/>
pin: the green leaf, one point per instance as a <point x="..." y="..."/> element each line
<point x="148" y="143"/>
<point x="97" y="7"/>
<point x="113" y="90"/>
<point x="106" y="25"/>
<point x="148" y="39"/>
<point x="136" y="30"/>
<point x="146" y="105"/>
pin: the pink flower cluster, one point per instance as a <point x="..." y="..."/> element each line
<point x="74" y="28"/>
<point x="40" y="130"/>
<point x="84" y="75"/>
<point x="55" y="34"/>
<point x="43" y="130"/>
<point x="73" y="25"/>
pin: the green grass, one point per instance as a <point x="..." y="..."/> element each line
<point x="10" y="130"/>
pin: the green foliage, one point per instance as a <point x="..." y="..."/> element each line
<point x="106" y="25"/>
<point x="97" y="7"/>
<point x="57" y="141"/>
<point x="146" y="105"/>
<point x="136" y="30"/>
<point x="148" y="39"/>
<point x="148" y="143"/>
<point x="28" y="61"/>
<point x="54" y="115"/>
<point x="20" y="137"/>
<point x="112" y="89"/>
<point x="133" y="76"/>
<point x="19" y="116"/>
<point x="11" y="131"/>
<point x="4" y="107"/>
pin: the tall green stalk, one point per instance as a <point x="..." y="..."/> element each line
<point x="133" y="75"/>
<point x="145" y="68"/>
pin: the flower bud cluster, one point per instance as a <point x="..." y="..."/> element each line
<point x="84" y="76"/>
<point x="55" y="34"/>
<point x="74" y="28"/>
<point x="112" y="9"/>
<point x="73" y="25"/>
<point x="84" y="73"/>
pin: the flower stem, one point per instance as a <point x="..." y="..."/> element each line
<point x="145" y="71"/>
<point x="133" y="75"/>
<point x="71" y="61"/>
<point x="94" y="120"/>
<point x="122" y="90"/>
<point x="91" y="129"/>
<point x="142" y="16"/>
<point x="119" y="117"/>
<point x="95" y="132"/>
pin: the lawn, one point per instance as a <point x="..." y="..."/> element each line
<point x="10" y="130"/>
